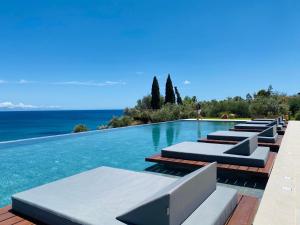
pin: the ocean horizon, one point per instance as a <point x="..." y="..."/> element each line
<point x="22" y="124"/>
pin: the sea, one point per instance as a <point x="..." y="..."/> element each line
<point x="16" y="125"/>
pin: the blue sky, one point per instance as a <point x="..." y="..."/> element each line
<point x="103" y="54"/>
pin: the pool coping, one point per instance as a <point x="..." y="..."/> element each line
<point x="280" y="203"/>
<point x="13" y="143"/>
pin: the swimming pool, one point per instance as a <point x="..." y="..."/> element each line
<point x="24" y="166"/>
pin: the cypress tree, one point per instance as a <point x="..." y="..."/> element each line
<point x="179" y="99"/>
<point x="155" y="94"/>
<point x="170" y="95"/>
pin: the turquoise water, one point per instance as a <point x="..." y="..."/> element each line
<point x="26" y="166"/>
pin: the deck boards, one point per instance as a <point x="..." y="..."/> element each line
<point x="256" y="171"/>
<point x="243" y="214"/>
<point x="274" y="147"/>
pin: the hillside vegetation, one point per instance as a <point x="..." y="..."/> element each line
<point x="158" y="108"/>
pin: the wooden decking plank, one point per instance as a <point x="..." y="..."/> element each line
<point x="12" y="220"/>
<point x="24" y="222"/>
<point x="234" y="167"/>
<point x="245" y="211"/>
<point x="265" y="172"/>
<point x="243" y="168"/>
<point x="239" y="198"/>
<point x="5" y="209"/>
<point x="253" y="169"/>
<point x="6" y="216"/>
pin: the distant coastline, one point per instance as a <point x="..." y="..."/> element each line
<point x="20" y="124"/>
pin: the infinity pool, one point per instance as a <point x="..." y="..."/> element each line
<point x="24" y="166"/>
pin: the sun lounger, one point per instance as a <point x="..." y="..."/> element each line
<point x="267" y="123"/>
<point x="263" y="119"/>
<point x="267" y="136"/>
<point x="279" y="121"/>
<point x="245" y="126"/>
<point x="244" y="153"/>
<point x="108" y="196"/>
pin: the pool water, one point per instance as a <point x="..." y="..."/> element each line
<point x="30" y="165"/>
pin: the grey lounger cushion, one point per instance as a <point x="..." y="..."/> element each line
<point x="176" y="202"/>
<point x="258" y="122"/>
<point x="269" y="135"/>
<point x="215" y="152"/>
<point x="216" y="209"/>
<point x="245" y="147"/>
<point x="93" y="197"/>
<point x="98" y="196"/>
<point x="263" y="119"/>
<point x="230" y="135"/>
<point x="268" y="139"/>
<point x="269" y="132"/>
<point x="259" y="127"/>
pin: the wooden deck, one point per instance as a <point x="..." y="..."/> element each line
<point x="274" y="147"/>
<point x="254" y="171"/>
<point x="245" y="211"/>
<point x="280" y="132"/>
<point x="243" y="214"/>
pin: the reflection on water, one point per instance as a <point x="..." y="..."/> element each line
<point x="170" y="134"/>
<point x="166" y="134"/>
<point x="199" y="129"/>
<point x="171" y="130"/>
<point x="177" y="130"/>
<point x="156" y="136"/>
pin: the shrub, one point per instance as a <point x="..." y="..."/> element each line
<point x="103" y="127"/>
<point x="294" y="104"/>
<point x="120" y="121"/>
<point x="80" y="128"/>
<point x="231" y="116"/>
<point x="297" y="116"/>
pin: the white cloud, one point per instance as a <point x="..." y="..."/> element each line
<point x="91" y="83"/>
<point x="186" y="82"/>
<point x="81" y="83"/>
<point x="10" y="105"/>
<point x="22" y="106"/>
<point x="22" y="81"/>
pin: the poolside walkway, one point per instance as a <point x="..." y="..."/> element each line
<point x="281" y="200"/>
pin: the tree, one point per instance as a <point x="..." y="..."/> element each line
<point x="249" y="97"/>
<point x="270" y="90"/>
<point x="179" y="99"/>
<point x="155" y="94"/>
<point x="144" y="103"/>
<point x="170" y="95"/>
<point x="265" y="93"/>
<point x="194" y="99"/>
<point x="237" y="98"/>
